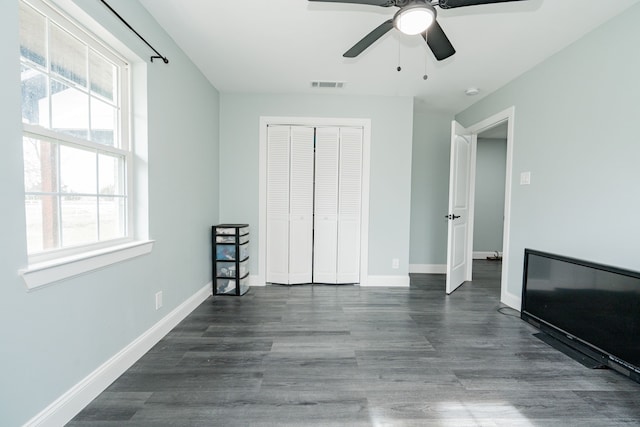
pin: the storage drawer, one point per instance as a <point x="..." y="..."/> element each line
<point x="232" y="231"/>
<point x="227" y="239"/>
<point x="228" y="286"/>
<point x="228" y="269"/>
<point x="226" y="252"/>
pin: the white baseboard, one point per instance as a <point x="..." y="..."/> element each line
<point x="254" y="280"/>
<point x="428" y="268"/>
<point x="511" y="300"/>
<point x="67" y="406"/>
<point x="485" y="254"/>
<point x="387" y="281"/>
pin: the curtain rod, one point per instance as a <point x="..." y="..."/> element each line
<point x="157" y="54"/>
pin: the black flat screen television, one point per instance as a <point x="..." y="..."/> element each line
<point x="591" y="307"/>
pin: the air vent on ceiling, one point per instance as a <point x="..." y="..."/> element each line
<point x="330" y="85"/>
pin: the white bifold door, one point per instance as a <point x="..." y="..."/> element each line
<point x="314" y="181"/>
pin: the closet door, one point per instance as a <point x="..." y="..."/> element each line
<point x="313" y="229"/>
<point x="301" y="205"/>
<point x="349" y="205"/>
<point x="325" y="244"/>
<point x="277" y="256"/>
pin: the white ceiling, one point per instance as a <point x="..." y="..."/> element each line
<point x="280" y="46"/>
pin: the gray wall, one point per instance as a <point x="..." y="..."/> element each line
<point x="576" y="132"/>
<point x="488" y="215"/>
<point x="55" y="336"/>
<point x="390" y="182"/>
<point x="430" y="187"/>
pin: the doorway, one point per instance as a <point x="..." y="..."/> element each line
<point x="491" y="163"/>
<point x="488" y="202"/>
<point x="464" y="246"/>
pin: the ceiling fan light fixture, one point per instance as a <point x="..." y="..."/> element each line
<point x="415" y="19"/>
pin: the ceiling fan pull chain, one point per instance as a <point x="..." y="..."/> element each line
<point x="425" y="76"/>
<point x="399" y="67"/>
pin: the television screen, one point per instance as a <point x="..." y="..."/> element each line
<point x="595" y="304"/>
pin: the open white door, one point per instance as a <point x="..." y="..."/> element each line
<point x="458" y="216"/>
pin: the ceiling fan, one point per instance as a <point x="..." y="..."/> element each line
<point x="414" y="17"/>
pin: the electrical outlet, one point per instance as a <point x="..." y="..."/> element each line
<point x="395" y="263"/>
<point x="158" y="300"/>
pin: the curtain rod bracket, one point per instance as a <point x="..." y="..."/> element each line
<point x="164" y="59"/>
<point x="157" y="54"/>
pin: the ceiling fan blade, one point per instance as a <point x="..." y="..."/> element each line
<point x="369" y="39"/>
<point x="450" y="4"/>
<point x="383" y="3"/>
<point x="438" y="42"/>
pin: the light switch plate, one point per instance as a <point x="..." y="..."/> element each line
<point x="525" y="178"/>
<point x="158" y="300"/>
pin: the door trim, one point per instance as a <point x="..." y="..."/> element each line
<point x="365" y="124"/>
<point x="508" y="116"/>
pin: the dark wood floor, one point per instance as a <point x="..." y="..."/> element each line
<point x="351" y="356"/>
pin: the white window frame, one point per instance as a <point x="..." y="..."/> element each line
<point x="58" y="264"/>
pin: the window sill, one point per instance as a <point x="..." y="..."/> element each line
<point x="42" y="274"/>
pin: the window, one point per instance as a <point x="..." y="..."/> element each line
<point x="77" y="156"/>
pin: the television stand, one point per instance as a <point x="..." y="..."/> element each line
<point x="576" y="355"/>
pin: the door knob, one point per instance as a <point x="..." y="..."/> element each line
<point x="452" y="216"/>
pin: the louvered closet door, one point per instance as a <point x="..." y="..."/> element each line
<point x="277" y="256"/>
<point x="301" y="205"/>
<point x="325" y="244"/>
<point x="349" y="205"/>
